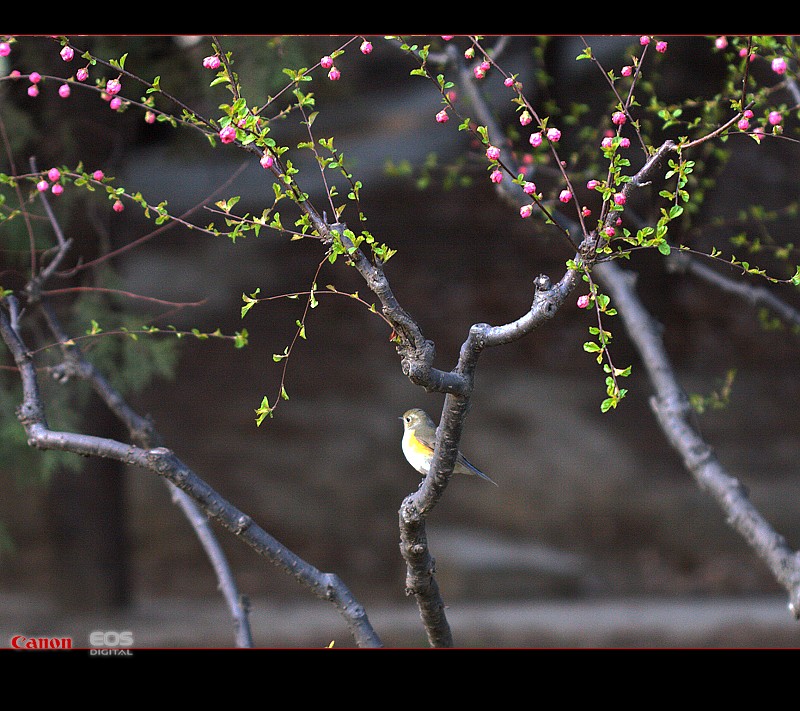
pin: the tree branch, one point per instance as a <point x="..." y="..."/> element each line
<point x="163" y="462"/>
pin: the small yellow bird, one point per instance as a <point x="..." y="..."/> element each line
<point x="419" y="438"/>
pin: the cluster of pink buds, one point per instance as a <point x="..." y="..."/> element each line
<point x="327" y="63"/>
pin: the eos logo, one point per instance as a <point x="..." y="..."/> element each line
<point x="108" y="642"/>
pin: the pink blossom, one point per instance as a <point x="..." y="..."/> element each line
<point x="113" y="86"/>
<point x="15" y="74"/>
<point x="609" y="231"/>
<point x="625" y="142"/>
<point x="442" y="116"/>
<point x="618" y="118"/>
<point x="607" y="142"/>
<point x="212" y="62"/>
<point x="228" y="134"/>
<point x="53" y="174"/>
<point x="33" y="90"/>
<point x="447" y="38"/>
<point x="529" y="188"/>
<point x="619" y="198"/>
<point x="779" y="65"/>
<point x="149" y="117"/>
<point x="775" y="117"/>
<point x="5" y="49"/>
<point x="585" y="211"/>
<point x="553" y="135"/>
<point x="334" y="74"/>
<point x="366" y="47"/>
<point x="525" y="117"/>
<point x="118" y="206"/>
<point x="82" y="74"/>
<point x="661" y="46"/>
<point x="67" y="53"/>
<point x="627" y="70"/>
<point x="469" y="53"/>
<point x="492" y="152"/>
<point x="479" y="73"/>
<point x="748" y="114"/>
<point x="526" y="211"/>
<point x="98" y="175"/>
<point x="584" y="301"/>
<point x="565" y="196"/>
<point x="115" y="103"/>
<point x="536" y="139"/>
<point x="35" y="77"/>
<point x="42" y="185"/>
<point x="508" y="81"/>
<point x="721" y="42"/>
<point x="496" y="176"/>
<point x="266" y="161"/>
<point x="57" y="189"/>
<point x="326" y="62"/>
<point x="743" y="124"/>
<point x="485" y="66"/>
<point x="64" y="91"/>
<point x="593" y="184"/>
<point x="644" y="39"/>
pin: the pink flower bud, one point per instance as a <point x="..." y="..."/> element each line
<point x="64" y="91"/>
<point x="661" y="46"/>
<point x="118" y="206"/>
<point x="479" y="73"/>
<point x="525" y="118"/>
<point x="585" y="211"/>
<point x="536" y="139"/>
<point x="366" y="47"/>
<point x="624" y="142"/>
<point x="5" y="49"/>
<point x="98" y="175"/>
<point x="644" y="39"/>
<point x="447" y="38"/>
<point x="721" y="42"/>
<point x="113" y="86"/>
<point x="743" y="124"/>
<point x="627" y="70"/>
<point x="508" y="81"/>
<point x="779" y="65"/>
<point x="526" y="211"/>
<point x="492" y="152"/>
<point x="565" y="196"/>
<point x="42" y="185"/>
<point x="149" y="117"/>
<point x="584" y="301"/>
<point x="326" y="62"/>
<point x="227" y="134"/>
<point x="57" y="189"/>
<point x="607" y="142"/>
<point x="496" y="176"/>
<point x="775" y="117"/>
<point x="35" y="77"/>
<point x="442" y="116"/>
<point x="334" y="74"/>
<point x="593" y="184"/>
<point x="618" y="118"/>
<point x="82" y="74"/>
<point x="266" y="161"/>
<point x="33" y="90"/>
<point x="211" y="62"/>
<point x="53" y="174"/>
<point x="619" y="198"/>
<point x="115" y="103"/>
<point x="609" y="231"/>
<point x="67" y="53"/>
<point x="529" y="188"/>
<point x="553" y="135"/>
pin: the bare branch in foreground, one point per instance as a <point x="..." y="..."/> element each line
<point x="163" y="462"/>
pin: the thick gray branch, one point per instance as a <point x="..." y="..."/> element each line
<point x="164" y="463"/>
<point x="672" y="410"/>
